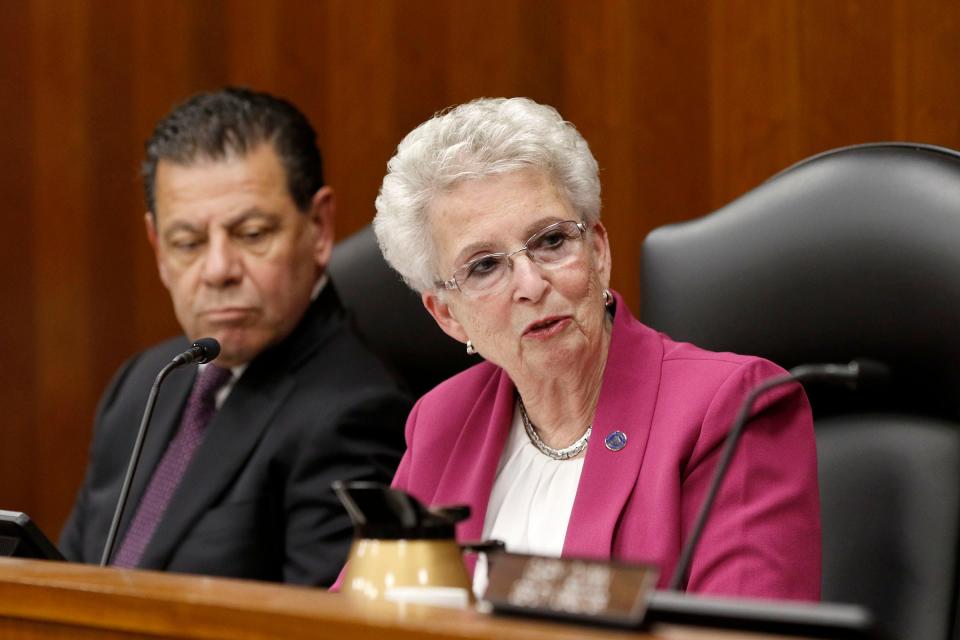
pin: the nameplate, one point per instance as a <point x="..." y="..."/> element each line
<point x="587" y="591"/>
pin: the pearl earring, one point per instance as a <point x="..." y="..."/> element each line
<point x="470" y="348"/>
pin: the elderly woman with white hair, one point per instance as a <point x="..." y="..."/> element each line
<point x="584" y="433"/>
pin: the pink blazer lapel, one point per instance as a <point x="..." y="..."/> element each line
<point x="627" y="401"/>
<point x="471" y="469"/>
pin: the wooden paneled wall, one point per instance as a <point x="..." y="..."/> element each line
<point x="687" y="104"/>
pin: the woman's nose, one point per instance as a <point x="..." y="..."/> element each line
<point x="528" y="281"/>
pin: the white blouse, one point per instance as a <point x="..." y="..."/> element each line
<point x="531" y="501"/>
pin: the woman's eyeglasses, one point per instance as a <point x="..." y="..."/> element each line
<point x="553" y="246"/>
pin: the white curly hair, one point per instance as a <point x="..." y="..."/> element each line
<point x="488" y="136"/>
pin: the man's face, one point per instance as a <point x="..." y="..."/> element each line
<point x="238" y="257"/>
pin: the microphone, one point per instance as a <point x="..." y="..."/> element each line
<point x="855" y="375"/>
<point x="203" y="350"/>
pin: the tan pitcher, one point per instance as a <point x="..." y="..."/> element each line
<point x="402" y="550"/>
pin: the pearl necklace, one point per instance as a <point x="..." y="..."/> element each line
<point x="566" y="453"/>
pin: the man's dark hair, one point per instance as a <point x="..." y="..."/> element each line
<point x="234" y="121"/>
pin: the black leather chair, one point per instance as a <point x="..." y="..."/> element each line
<point x="391" y="317"/>
<point x="851" y="253"/>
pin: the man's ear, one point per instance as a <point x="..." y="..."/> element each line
<point x="150" y="222"/>
<point x="442" y="314"/>
<point x="322" y="213"/>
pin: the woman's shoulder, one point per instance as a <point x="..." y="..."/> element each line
<point x="674" y="351"/>
<point x="688" y="359"/>
<point x="695" y="365"/>
<point x="439" y="416"/>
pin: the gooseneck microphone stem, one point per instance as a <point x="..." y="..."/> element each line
<point x="134" y="461"/>
<point x="203" y="350"/>
<point x="854" y="375"/>
<point x="680" y="574"/>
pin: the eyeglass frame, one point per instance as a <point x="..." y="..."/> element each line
<point x="452" y="283"/>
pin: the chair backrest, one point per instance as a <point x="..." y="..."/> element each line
<point x="391" y="317"/>
<point x="851" y="253"/>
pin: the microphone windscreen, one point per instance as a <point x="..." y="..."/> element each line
<point x="210" y="348"/>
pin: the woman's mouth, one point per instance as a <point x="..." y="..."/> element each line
<point x="547" y="327"/>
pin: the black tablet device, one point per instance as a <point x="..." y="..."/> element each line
<point x="21" y="538"/>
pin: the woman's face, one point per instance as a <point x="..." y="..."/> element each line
<point x="546" y="316"/>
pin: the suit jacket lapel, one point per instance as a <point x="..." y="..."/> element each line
<point x="239" y="425"/>
<point x="472" y="466"/>
<point x="231" y="437"/>
<point x="627" y="401"/>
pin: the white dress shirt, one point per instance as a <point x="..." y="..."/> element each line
<point x="531" y="500"/>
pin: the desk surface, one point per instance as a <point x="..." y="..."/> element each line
<point x="59" y="600"/>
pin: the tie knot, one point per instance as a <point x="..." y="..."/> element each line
<point x="210" y="380"/>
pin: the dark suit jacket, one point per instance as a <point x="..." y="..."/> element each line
<point x="256" y="500"/>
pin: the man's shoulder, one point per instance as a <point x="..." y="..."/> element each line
<point x="344" y="360"/>
<point x="326" y="347"/>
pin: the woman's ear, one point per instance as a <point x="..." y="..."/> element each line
<point x="601" y="252"/>
<point x="443" y="315"/>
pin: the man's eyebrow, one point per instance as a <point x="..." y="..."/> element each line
<point x="231" y="223"/>
<point x="252" y="213"/>
<point x="179" y="225"/>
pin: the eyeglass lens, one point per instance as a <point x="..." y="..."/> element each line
<point x="549" y="246"/>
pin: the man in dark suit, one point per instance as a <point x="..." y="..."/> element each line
<point x="236" y="469"/>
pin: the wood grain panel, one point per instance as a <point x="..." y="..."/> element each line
<point x="18" y="390"/>
<point x="64" y="307"/>
<point x="685" y="104"/>
<point x="607" y="59"/>
<point x="928" y="89"/>
<point x="846" y="70"/>
<point x="113" y="230"/>
<point x="420" y="82"/>
<point x="166" y="69"/>
<point x="646" y="128"/>
<point x="49" y="600"/>
<point x="542" y="49"/>
<point x="252" y="45"/>
<point x="754" y="85"/>
<point x="480" y="33"/>
<point x="362" y="70"/>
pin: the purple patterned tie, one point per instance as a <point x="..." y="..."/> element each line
<point x="201" y="405"/>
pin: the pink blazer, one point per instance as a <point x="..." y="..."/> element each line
<point x="675" y="403"/>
